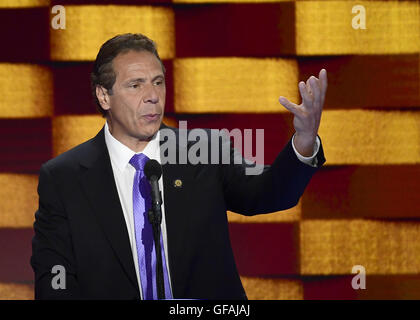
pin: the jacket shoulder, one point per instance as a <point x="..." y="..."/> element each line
<point x="71" y="159"/>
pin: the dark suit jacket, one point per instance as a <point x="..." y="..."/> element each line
<point x="80" y="223"/>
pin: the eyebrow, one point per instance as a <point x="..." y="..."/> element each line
<point x="159" y="76"/>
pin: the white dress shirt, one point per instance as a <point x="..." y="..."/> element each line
<point x="124" y="172"/>
<point x="120" y="156"/>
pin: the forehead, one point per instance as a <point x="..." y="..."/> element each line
<point x="133" y="62"/>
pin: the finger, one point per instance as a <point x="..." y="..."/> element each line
<point x="308" y="87"/>
<point x="316" y="90"/>
<point x="324" y="84"/>
<point x="306" y="97"/>
<point x="293" y="108"/>
<point x="323" y="79"/>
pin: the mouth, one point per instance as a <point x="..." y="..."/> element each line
<point x="152" y="117"/>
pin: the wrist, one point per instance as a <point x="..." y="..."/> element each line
<point x="304" y="144"/>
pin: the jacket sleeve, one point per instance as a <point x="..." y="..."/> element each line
<point x="52" y="245"/>
<point x="277" y="187"/>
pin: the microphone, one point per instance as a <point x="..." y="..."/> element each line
<point x="153" y="169"/>
<point x="153" y="172"/>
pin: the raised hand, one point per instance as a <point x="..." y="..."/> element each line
<point x="307" y="115"/>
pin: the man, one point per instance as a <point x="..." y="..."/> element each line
<point x="91" y="218"/>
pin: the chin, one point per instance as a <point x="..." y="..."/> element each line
<point x="151" y="130"/>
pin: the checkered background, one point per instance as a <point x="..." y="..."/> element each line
<point x="228" y="62"/>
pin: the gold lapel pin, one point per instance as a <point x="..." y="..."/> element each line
<point x="178" y="183"/>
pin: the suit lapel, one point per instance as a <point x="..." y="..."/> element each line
<point x="98" y="182"/>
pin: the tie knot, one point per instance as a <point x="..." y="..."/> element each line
<point x="138" y="161"/>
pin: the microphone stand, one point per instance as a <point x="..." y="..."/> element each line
<point x="155" y="218"/>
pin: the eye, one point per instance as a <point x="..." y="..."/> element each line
<point x="134" y="86"/>
<point x="158" y="83"/>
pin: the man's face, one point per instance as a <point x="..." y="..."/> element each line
<point x="136" y="107"/>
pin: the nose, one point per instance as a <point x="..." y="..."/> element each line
<point x="150" y="94"/>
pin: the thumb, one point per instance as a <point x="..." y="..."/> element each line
<point x="288" y="105"/>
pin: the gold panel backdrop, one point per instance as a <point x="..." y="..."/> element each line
<point x="26" y="91"/>
<point x="334" y="247"/>
<point x="393" y="136"/>
<point x="206" y="85"/>
<point x="19" y="200"/>
<point x="227" y="63"/>
<point x="322" y="28"/>
<point x="82" y="38"/>
<point x="23" y="3"/>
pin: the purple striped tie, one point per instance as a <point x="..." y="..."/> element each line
<point x="144" y="233"/>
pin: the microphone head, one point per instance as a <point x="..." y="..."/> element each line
<point x="152" y="170"/>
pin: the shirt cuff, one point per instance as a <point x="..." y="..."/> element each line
<point x="312" y="160"/>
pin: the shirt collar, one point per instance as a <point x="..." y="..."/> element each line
<point x="120" y="154"/>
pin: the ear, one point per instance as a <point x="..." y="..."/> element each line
<point x="103" y="97"/>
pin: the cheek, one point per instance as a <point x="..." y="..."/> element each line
<point x="130" y="107"/>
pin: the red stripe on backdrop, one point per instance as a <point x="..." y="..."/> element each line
<point x="25" y="34"/>
<point x="235" y="29"/>
<point x="367" y="81"/>
<point x="265" y="249"/>
<point x="383" y="191"/>
<point x="16" y="251"/>
<point x="25" y="144"/>
<point x="72" y="94"/>
<point x="328" y="288"/>
<point x="377" y="287"/>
